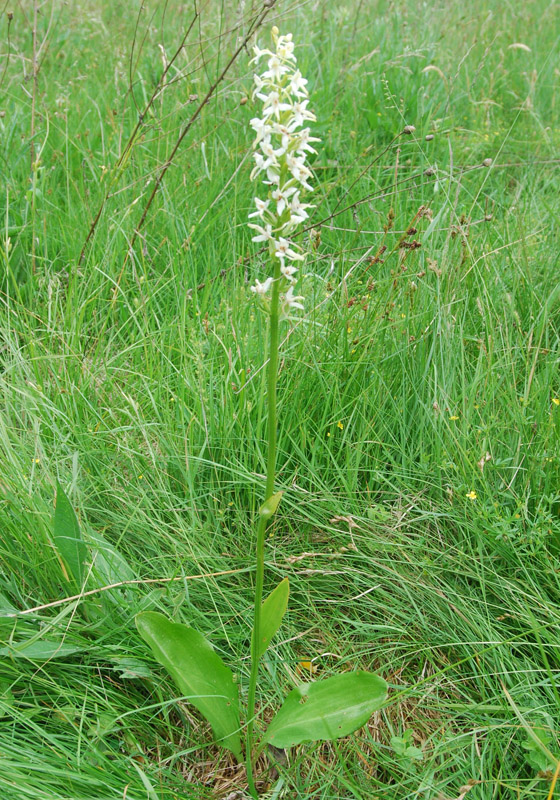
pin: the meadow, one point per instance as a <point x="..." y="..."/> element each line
<point x="418" y="405"/>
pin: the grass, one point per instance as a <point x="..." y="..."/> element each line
<point x="419" y="415"/>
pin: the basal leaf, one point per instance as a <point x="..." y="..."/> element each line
<point x="272" y="611"/>
<point x="327" y="709"/>
<point x="39" y="650"/>
<point x="199" y="672"/>
<point x="68" y="540"/>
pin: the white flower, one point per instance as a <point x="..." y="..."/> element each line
<point x="297" y="209"/>
<point x="259" y="85"/>
<point x="273" y="104"/>
<point x="263" y="234"/>
<point x="284" y="131"/>
<point x="261" y="288"/>
<point x="259" y="54"/>
<point x="261" y="164"/>
<point x="283" y="250"/>
<point x="269" y="151"/>
<point x="273" y="174"/>
<point x="285" y="47"/>
<point x="297" y="85"/>
<point x="276" y="69"/>
<point x="288" y="271"/>
<point x="299" y="171"/>
<point x="261" y="128"/>
<point x="262" y="206"/>
<point x="301" y="113"/>
<point x="290" y="301"/>
<point x="281" y="197"/>
<point x="304" y="137"/>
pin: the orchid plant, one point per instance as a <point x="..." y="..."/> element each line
<point x="339" y="705"/>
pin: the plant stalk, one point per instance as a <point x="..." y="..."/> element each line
<point x="272" y="376"/>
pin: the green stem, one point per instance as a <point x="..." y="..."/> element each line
<point x="272" y="375"/>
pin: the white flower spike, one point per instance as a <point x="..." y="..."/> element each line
<point x="281" y="147"/>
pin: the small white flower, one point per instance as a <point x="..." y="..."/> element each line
<point x="300" y="113"/>
<point x="269" y="151"/>
<point x="273" y="104"/>
<point x="290" y="301"/>
<point x="259" y="54"/>
<point x="261" y="128"/>
<point x="263" y="234"/>
<point x="259" y="85"/>
<point x="276" y="69"/>
<point x="284" y="132"/>
<point x="273" y="174"/>
<point x="285" y="47"/>
<point x="297" y="85"/>
<point x="299" y="171"/>
<point x="283" y="250"/>
<point x="295" y="163"/>
<point x="304" y="137"/>
<point x="262" y="206"/>
<point x="261" y="164"/>
<point x="261" y="288"/>
<point x="288" y="271"/>
<point x="299" y="214"/>
<point x="280" y="196"/>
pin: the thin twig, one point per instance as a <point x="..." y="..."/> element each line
<point x="257" y="22"/>
<point x="133" y="135"/>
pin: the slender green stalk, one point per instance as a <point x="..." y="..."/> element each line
<point x="272" y="375"/>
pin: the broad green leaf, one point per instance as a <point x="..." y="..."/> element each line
<point x="268" y="508"/>
<point x="39" y="650"/>
<point x="68" y="539"/>
<point x="199" y="672"/>
<point x="272" y="611"/>
<point x="327" y="709"/>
